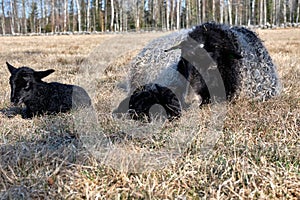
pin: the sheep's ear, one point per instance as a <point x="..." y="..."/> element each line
<point x="182" y="44"/>
<point x="11" y="68"/>
<point x="189" y="43"/>
<point x="235" y="55"/>
<point x="42" y="74"/>
<point x="178" y="46"/>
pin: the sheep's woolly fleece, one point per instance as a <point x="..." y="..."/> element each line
<point x="154" y="65"/>
<point x="259" y="74"/>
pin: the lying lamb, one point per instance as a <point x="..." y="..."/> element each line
<point x="41" y="97"/>
<point x="219" y="62"/>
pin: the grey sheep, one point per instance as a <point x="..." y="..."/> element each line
<point x="41" y="97"/>
<point x="218" y="61"/>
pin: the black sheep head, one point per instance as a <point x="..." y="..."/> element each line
<point x="154" y="99"/>
<point x="23" y="81"/>
<point x="215" y="40"/>
<point x="218" y="40"/>
<point x="150" y="100"/>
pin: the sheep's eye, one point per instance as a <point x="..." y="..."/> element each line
<point x="27" y="87"/>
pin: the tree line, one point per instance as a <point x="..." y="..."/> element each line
<point x="43" y="16"/>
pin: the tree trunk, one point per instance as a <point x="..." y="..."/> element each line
<point x="168" y="14"/>
<point x="178" y="14"/>
<point x="162" y="15"/>
<point x="278" y="8"/>
<point x="298" y="12"/>
<point x="88" y="13"/>
<point x="261" y="10"/>
<point x="125" y="21"/>
<point x="290" y="4"/>
<point x="53" y="16"/>
<point x="65" y="15"/>
<point x="112" y="15"/>
<point x="187" y="13"/>
<point x="16" y="16"/>
<point x="121" y="16"/>
<point x="137" y="16"/>
<point x="229" y="11"/>
<point x="58" y="17"/>
<point x="284" y="12"/>
<point x="253" y="22"/>
<point x="105" y="15"/>
<point x="213" y="10"/>
<point x="226" y="13"/>
<point x="172" y="12"/>
<point x="117" y="27"/>
<point x="273" y="18"/>
<point x="12" y="20"/>
<point x="154" y="13"/>
<point x="78" y="15"/>
<point x="203" y="10"/>
<point x="240" y="7"/>
<point x="41" y="23"/>
<point x="3" y="18"/>
<point x="248" y="13"/>
<point x="236" y="18"/>
<point x="221" y="11"/>
<point x="96" y="14"/>
<point x="73" y="16"/>
<point x="265" y="12"/>
<point x="46" y="9"/>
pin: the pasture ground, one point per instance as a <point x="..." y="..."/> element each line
<point x="257" y="155"/>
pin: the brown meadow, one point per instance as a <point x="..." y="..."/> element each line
<point x="256" y="156"/>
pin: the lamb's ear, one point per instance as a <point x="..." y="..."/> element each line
<point x="11" y="68"/>
<point x="42" y="74"/>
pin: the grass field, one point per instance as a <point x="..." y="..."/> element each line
<point x="256" y="155"/>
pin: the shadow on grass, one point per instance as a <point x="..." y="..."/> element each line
<point x="29" y="163"/>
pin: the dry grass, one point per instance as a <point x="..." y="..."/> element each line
<point x="256" y="154"/>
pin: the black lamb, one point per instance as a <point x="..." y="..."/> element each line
<point x="142" y="102"/>
<point x="41" y="97"/>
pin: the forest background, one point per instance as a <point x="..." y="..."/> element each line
<point x="70" y="16"/>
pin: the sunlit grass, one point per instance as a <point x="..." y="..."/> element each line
<point x="256" y="156"/>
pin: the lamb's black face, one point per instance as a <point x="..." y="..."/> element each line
<point x="155" y="96"/>
<point x="21" y="84"/>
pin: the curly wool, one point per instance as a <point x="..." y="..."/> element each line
<point x="154" y="65"/>
<point x="259" y="74"/>
<point x="242" y="60"/>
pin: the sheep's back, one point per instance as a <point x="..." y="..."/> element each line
<point x="64" y="97"/>
<point x="154" y="65"/>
